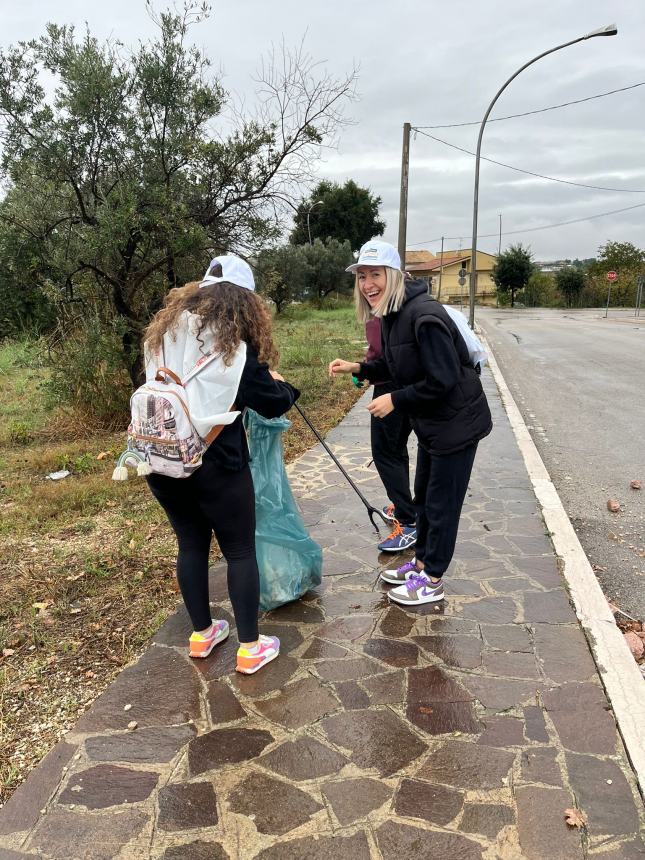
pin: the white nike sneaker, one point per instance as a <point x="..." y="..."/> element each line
<point x="417" y="590"/>
<point x="399" y="575"/>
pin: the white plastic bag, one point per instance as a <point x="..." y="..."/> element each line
<point x="476" y="351"/>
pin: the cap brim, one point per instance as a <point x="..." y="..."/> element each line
<point x="356" y="266"/>
<point x="209" y="280"/>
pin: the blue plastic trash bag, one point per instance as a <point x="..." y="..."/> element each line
<point x="290" y="562"/>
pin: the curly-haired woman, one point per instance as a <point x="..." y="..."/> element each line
<point x="221" y="314"/>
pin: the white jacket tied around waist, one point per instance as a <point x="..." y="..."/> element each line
<point x="210" y="387"/>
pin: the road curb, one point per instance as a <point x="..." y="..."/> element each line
<point x="621" y="678"/>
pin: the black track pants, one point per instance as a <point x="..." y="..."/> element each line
<point x="440" y="486"/>
<point x="389" y="439"/>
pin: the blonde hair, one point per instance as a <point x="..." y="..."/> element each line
<point x="391" y="300"/>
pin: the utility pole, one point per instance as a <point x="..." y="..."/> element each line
<point x="403" y="204"/>
<point x="440" y="270"/>
<point x="499" y="251"/>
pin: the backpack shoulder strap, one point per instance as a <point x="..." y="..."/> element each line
<point x="165" y="371"/>
<point x="201" y="364"/>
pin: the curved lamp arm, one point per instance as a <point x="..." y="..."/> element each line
<point x="610" y="30"/>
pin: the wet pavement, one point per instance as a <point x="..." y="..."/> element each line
<point x="457" y="730"/>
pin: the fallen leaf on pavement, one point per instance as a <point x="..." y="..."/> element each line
<point x="635" y="485"/>
<point x="636" y="644"/>
<point x="575" y="817"/>
<point x="613" y="505"/>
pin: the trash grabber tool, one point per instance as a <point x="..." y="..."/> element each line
<point x="370" y="509"/>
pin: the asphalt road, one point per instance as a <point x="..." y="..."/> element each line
<point x="579" y="381"/>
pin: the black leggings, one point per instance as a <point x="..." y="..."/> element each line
<point x="214" y="500"/>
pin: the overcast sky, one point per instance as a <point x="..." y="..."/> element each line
<point x="432" y="63"/>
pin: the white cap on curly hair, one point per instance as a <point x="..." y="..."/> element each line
<point x="234" y="271"/>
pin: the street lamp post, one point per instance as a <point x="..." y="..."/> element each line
<point x="610" y="30"/>
<point x="317" y="203"/>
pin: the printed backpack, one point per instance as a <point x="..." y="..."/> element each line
<point x="172" y="422"/>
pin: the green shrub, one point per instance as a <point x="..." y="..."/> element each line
<point x="540" y="292"/>
<point x="89" y="373"/>
<point x="25" y="310"/>
<point x="83" y="465"/>
<point x="20" y="433"/>
<point x="623" y="291"/>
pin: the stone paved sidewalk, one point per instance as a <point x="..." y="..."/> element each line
<point x="460" y="731"/>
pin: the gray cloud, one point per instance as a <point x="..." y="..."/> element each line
<point x="434" y="62"/>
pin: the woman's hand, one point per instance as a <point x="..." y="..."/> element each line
<point x="276" y="375"/>
<point x="381" y="406"/>
<point x="338" y="365"/>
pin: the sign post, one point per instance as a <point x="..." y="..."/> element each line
<point x="611" y="277"/>
<point x="640" y="283"/>
<point x="462" y="281"/>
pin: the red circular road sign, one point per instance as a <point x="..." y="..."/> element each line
<point x="611" y="276"/>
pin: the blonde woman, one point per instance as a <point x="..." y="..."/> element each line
<point x="440" y="390"/>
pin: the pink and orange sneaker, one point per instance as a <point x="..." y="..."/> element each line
<point x="248" y="661"/>
<point x="201" y="646"/>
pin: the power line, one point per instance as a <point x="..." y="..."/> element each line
<point x="541" y="110"/>
<point x="535" y="229"/>
<point x="530" y="172"/>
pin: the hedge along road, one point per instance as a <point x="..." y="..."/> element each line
<point x="579" y="381"/>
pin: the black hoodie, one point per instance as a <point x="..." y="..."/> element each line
<point x="428" y="359"/>
<point x="259" y="391"/>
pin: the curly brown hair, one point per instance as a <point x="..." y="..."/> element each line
<point x="232" y="313"/>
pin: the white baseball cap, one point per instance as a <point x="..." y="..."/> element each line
<point x="234" y="271"/>
<point x="377" y="253"/>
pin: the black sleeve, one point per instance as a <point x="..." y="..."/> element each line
<point x="440" y="364"/>
<point x="373" y="370"/>
<point x="260" y="391"/>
